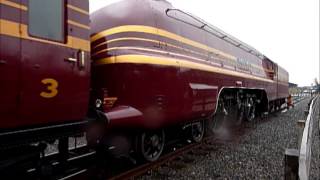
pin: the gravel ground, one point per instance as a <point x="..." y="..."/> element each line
<point x="258" y="155"/>
<point x="73" y="143"/>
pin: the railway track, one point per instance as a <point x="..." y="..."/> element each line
<point x="237" y="132"/>
<point x="175" y="152"/>
<point x="235" y="137"/>
<point x="79" y="165"/>
<point x="140" y="170"/>
<point x="170" y="155"/>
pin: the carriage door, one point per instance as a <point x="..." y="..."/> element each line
<point x="9" y="62"/>
<point x="55" y="63"/>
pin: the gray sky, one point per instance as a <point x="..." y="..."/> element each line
<point x="287" y="31"/>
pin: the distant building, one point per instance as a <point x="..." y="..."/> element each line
<point x="292" y="85"/>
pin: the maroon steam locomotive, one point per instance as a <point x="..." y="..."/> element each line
<point x="153" y="67"/>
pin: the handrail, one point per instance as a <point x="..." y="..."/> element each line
<point x="217" y="32"/>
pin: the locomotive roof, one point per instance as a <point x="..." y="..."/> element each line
<point x="209" y="28"/>
<point x="201" y="24"/>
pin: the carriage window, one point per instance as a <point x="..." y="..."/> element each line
<point x="46" y="19"/>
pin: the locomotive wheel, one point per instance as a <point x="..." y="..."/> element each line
<point x="152" y="144"/>
<point x="197" y="131"/>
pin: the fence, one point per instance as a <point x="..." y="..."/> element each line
<point x="297" y="162"/>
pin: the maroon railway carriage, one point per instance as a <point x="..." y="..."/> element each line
<point x="155" y="66"/>
<point x="44" y="69"/>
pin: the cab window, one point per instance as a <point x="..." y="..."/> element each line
<point x="46" y="19"/>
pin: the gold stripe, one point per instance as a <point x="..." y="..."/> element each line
<point x="161" y="32"/>
<point x="10" y="28"/>
<point x="153" y="50"/>
<point x="78" y="9"/>
<point x="147" y="40"/>
<point x="13" y="4"/>
<point x="125" y="39"/>
<point x="163" y="52"/>
<point x="143" y="59"/>
<point x="78" y="24"/>
<point x="14" y="29"/>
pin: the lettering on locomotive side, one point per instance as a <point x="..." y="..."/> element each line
<point x="52" y="88"/>
<point x="243" y="64"/>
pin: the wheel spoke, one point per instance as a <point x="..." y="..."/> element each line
<point x="197" y="131"/>
<point x="148" y="150"/>
<point x="152" y="145"/>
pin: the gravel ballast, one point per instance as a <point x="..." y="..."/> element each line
<point x="258" y="155"/>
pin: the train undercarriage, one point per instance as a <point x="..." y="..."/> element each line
<point x="234" y="107"/>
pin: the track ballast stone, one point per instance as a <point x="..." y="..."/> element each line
<point x="258" y="155"/>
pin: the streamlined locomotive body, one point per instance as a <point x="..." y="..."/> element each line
<point x="156" y="66"/>
<point x="148" y="60"/>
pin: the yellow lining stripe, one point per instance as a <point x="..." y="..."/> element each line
<point x="155" y="41"/>
<point x="13" y="4"/>
<point x="78" y="24"/>
<point x="143" y="59"/>
<point x="158" y="51"/>
<point x="78" y="9"/>
<point x="14" y="29"/>
<point x="147" y="40"/>
<point x="161" y="32"/>
<point x="164" y="33"/>
<point x="125" y="39"/>
<point x="166" y="52"/>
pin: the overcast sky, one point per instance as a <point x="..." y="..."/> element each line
<point x="287" y="31"/>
